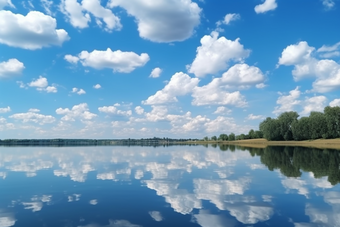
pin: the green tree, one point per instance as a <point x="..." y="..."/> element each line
<point x="286" y="120"/>
<point x="301" y="129"/>
<point x="214" y="138"/>
<point x="231" y="137"/>
<point x="318" y="125"/>
<point x="271" y="129"/>
<point x="332" y="115"/>
<point x="223" y="137"/>
<point x="206" y="138"/>
<point x="252" y="134"/>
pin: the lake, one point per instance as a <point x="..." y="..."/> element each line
<point x="191" y="186"/>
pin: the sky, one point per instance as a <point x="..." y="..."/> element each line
<point x="168" y="68"/>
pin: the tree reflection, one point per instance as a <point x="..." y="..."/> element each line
<point x="292" y="160"/>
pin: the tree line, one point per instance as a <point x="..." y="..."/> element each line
<point x="288" y="126"/>
<point x="317" y="125"/>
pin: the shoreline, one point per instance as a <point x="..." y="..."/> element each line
<point x="263" y="143"/>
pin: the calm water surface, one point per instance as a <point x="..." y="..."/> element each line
<point x="187" y="186"/>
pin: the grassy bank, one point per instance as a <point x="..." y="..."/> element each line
<point x="262" y="143"/>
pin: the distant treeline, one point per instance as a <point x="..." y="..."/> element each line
<point x="288" y="126"/>
<point x="291" y="161"/>
<point x="91" y="142"/>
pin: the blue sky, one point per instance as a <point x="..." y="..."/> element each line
<point x="167" y="68"/>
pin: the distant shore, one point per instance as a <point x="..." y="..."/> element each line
<point x="255" y="143"/>
<point x="262" y="143"/>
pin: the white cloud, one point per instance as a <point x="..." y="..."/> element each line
<point x="80" y="111"/>
<point x="215" y="53"/>
<point x="119" y="61"/>
<point x="139" y="110"/>
<point x="222" y="110"/>
<point x="93" y="6"/>
<point x="156" y="215"/>
<point x="93" y="202"/>
<point x="328" y="4"/>
<point x="335" y="102"/>
<point x="229" y="18"/>
<point x="34" y="110"/>
<point x="329" y="51"/>
<point x="7" y="221"/>
<point x="215" y="94"/>
<point x="251" y="214"/>
<point x="33" y="31"/>
<point x="156" y="72"/>
<point x="243" y="75"/>
<point x="114" y="110"/>
<point x="4" y="3"/>
<point x="41" y="84"/>
<point x="71" y="59"/>
<point x="74" y="11"/>
<point x="220" y="124"/>
<point x="5" y="110"/>
<point x="97" y="86"/>
<point x="268" y="5"/>
<point x="12" y="67"/>
<point x="316" y="103"/>
<point x="326" y="48"/>
<point x="78" y="91"/>
<point x="296" y="54"/>
<point x="33" y="117"/>
<point x="164" y="20"/>
<point x="327" y="72"/>
<point x="254" y="117"/>
<point x="287" y="102"/>
<point x="34" y="206"/>
<point x="79" y="14"/>
<point x="180" y="84"/>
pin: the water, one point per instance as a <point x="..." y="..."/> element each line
<point x="122" y="186"/>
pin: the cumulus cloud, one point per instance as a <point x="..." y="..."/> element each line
<point x="287" y="102"/>
<point x="266" y="6"/>
<point x="12" y="67"/>
<point x="139" y="110"/>
<point x="114" y="110"/>
<point x="33" y="117"/>
<point x="180" y="84"/>
<point x="215" y="53"/>
<point x="79" y="14"/>
<point x="41" y="84"/>
<point x="335" y="102"/>
<point x="5" y="109"/>
<point x="80" y="111"/>
<point x="164" y="20"/>
<point x="71" y="59"/>
<point x="216" y="92"/>
<point x="326" y="72"/>
<point x="78" y="91"/>
<point x="119" y="61"/>
<point x="33" y="31"/>
<point x="229" y="18"/>
<point x="97" y="86"/>
<point x="222" y="110"/>
<point x="156" y="72"/>
<point x="316" y="103"/>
